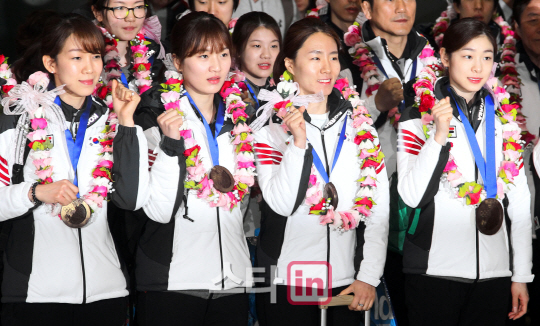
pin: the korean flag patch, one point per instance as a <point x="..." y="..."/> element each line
<point x="51" y="139"/>
<point x="452" y="132"/>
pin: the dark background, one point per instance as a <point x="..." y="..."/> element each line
<point x="14" y="12"/>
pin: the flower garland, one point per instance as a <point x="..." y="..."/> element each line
<point x="370" y="154"/>
<point x="363" y="58"/>
<point x="5" y="73"/>
<point x="41" y="149"/>
<point x="141" y="65"/>
<point x="509" y="76"/>
<point x="315" y="11"/>
<point x="507" y="111"/>
<point x="231" y="25"/>
<point x="198" y="178"/>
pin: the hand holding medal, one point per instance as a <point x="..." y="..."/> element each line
<point x="62" y="192"/>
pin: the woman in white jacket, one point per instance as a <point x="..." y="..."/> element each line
<point x="58" y="169"/>
<point x="192" y="260"/>
<point x="468" y="245"/>
<point x="307" y="158"/>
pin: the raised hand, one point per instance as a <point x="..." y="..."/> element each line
<point x="63" y="192"/>
<point x="442" y="115"/>
<point x="294" y="120"/>
<point x="124" y="103"/>
<point x="389" y="95"/>
<point x="170" y="122"/>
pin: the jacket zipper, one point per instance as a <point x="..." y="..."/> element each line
<point x="327" y="226"/>
<point x="82" y="264"/>
<point x="220" y="250"/>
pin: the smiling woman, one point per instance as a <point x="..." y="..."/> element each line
<point x="133" y="41"/>
<point x="319" y="192"/>
<point x="257" y="41"/>
<point x="460" y="164"/>
<point x="59" y="153"/>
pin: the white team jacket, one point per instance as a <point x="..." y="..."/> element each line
<point x="47" y="261"/>
<point x="178" y="254"/>
<point x="445" y="240"/>
<point x="288" y="232"/>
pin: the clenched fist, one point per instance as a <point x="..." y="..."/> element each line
<point x="124" y="103"/>
<point x="442" y="115"/>
<point x="294" y="120"/>
<point x="170" y="122"/>
<point x="389" y="95"/>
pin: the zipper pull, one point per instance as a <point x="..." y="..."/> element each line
<point x="322" y="132"/>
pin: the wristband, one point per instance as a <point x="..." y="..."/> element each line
<point x="36" y="201"/>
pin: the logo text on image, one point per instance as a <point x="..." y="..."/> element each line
<point x="306" y="282"/>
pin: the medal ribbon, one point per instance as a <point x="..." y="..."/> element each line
<point x="212" y="139"/>
<point x="124" y="80"/>
<point x="317" y="160"/>
<point x="486" y="167"/>
<point x="75" y="147"/>
<point x="253" y="95"/>
<point x="401" y="105"/>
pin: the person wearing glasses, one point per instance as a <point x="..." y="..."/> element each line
<point x="133" y="48"/>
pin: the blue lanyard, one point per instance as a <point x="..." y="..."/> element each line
<point x="253" y="95"/>
<point x="401" y="105"/>
<point x="486" y="167"/>
<point x="124" y="79"/>
<point x="212" y="139"/>
<point x="317" y="160"/>
<point x="75" y="147"/>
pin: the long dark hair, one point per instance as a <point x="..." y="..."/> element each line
<point x="197" y="30"/>
<point x="52" y="40"/>
<point x="246" y="25"/>
<point x="463" y="31"/>
<point x="295" y="38"/>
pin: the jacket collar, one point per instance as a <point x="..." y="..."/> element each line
<point x="97" y="109"/>
<point x="337" y="107"/>
<point x="413" y="48"/>
<point x="441" y="91"/>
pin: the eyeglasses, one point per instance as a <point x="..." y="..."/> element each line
<point x="122" y="12"/>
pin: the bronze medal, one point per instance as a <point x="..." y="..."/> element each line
<point x="76" y="214"/>
<point x="489" y="216"/>
<point x="330" y="191"/>
<point x="222" y="178"/>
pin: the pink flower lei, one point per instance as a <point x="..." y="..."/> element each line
<point x="369" y="152"/>
<point x="197" y="176"/>
<point x="141" y="66"/>
<point x="41" y="149"/>
<point x="5" y="73"/>
<point x="507" y="111"/>
<point x="509" y="76"/>
<point x="363" y="58"/>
